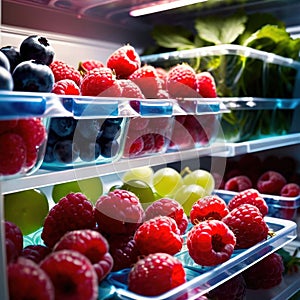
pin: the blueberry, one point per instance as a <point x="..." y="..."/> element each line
<point x="109" y="148"/>
<point x="110" y="130"/>
<point x="4" y="62"/>
<point x="32" y="76"/>
<point x="6" y="81"/>
<point x="38" y="48"/>
<point x="13" y="55"/>
<point x="49" y="156"/>
<point x="65" y="151"/>
<point x="89" y="129"/>
<point x="89" y="151"/>
<point x="63" y="126"/>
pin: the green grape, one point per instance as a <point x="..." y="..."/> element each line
<point x="141" y="173"/>
<point x="166" y="181"/>
<point x="202" y="178"/>
<point x="92" y="188"/>
<point x="187" y="195"/>
<point x="27" y="209"/>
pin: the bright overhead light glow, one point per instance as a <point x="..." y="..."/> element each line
<point x="146" y="10"/>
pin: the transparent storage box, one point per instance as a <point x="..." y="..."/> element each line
<point x="239" y="71"/>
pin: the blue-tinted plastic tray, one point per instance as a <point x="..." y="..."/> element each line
<point x="201" y="280"/>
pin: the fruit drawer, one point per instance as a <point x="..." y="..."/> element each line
<point x="202" y="279"/>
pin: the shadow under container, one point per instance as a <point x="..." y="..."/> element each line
<point x="23" y="132"/>
<point x="93" y="134"/>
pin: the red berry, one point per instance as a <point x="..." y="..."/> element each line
<point x="271" y="182"/>
<point x="14" y="241"/>
<point x="208" y="208"/>
<point x="100" y="82"/>
<point x="250" y="196"/>
<point x="210" y="242"/>
<point x="103" y="266"/>
<point x="155" y="274"/>
<point x="7" y="125"/>
<point x="168" y="207"/>
<point x="72" y="275"/>
<point x="248" y="225"/>
<point x="35" y="252"/>
<point x="238" y="183"/>
<point x="206" y="85"/>
<point x="12" y="153"/>
<point x="134" y="148"/>
<point x="160" y="234"/>
<point x="266" y="273"/>
<point x="147" y="79"/>
<point x="130" y="89"/>
<point x="27" y="280"/>
<point x="118" y="212"/>
<point x="66" y="87"/>
<point x="62" y="70"/>
<point x="181" y="81"/>
<point x="88" y="65"/>
<point x="162" y="74"/>
<point x="74" y="211"/>
<point x="290" y="190"/>
<point x="124" y="61"/>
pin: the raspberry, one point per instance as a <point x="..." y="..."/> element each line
<point x="270" y="182"/>
<point x="6" y="126"/>
<point x="155" y="274"/>
<point x="130" y="89"/>
<point x="118" y="212"/>
<point x="62" y="70"/>
<point x="103" y="266"/>
<point x="88" y="65"/>
<point x="35" y="252"/>
<point x="14" y="234"/>
<point x="87" y="242"/>
<point x="66" y="87"/>
<point x="149" y="143"/>
<point x="208" y="208"/>
<point x="160" y="234"/>
<point x="26" y="278"/>
<point x="74" y="211"/>
<point x="247" y="224"/>
<point x="162" y="74"/>
<point x="135" y="148"/>
<point x="210" y="242"/>
<point x="206" y="85"/>
<point x="168" y="207"/>
<point x="147" y="79"/>
<point x="12" y="153"/>
<point x="100" y="82"/>
<point x="238" y="183"/>
<point x="72" y="275"/>
<point x="250" y="196"/>
<point x="124" y="61"/>
<point x="123" y="250"/>
<point x="290" y="190"/>
<point x="266" y="273"/>
<point x="181" y="81"/>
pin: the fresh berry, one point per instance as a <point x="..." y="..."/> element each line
<point x="159" y="234"/>
<point x="147" y="79"/>
<point x="124" y="61"/>
<point x="168" y="207"/>
<point x="13" y="241"/>
<point x="63" y="126"/>
<point x="123" y="250"/>
<point x="88" y="65"/>
<point x="103" y="266"/>
<point x="6" y="80"/>
<point x="72" y="275"/>
<point x="130" y="89"/>
<point x="13" y="55"/>
<point x="4" y="61"/>
<point x="270" y="182"/>
<point x="74" y="211"/>
<point x="208" y="208"/>
<point x="90" y="243"/>
<point x="266" y="273"/>
<point x="65" y="151"/>
<point x="100" y="82"/>
<point x="232" y="289"/>
<point x="66" y="87"/>
<point x="210" y="242"/>
<point x="206" y="85"/>
<point x="33" y="76"/>
<point x="156" y="274"/>
<point x="62" y="70"/>
<point x="181" y="81"/>
<point x="38" y="48"/>
<point x="238" y="183"/>
<point x="247" y="224"/>
<point x="250" y="196"/>
<point x="134" y="148"/>
<point x="35" y="252"/>
<point x="290" y="190"/>
<point x="26" y="278"/>
<point x="12" y="153"/>
<point x="162" y="74"/>
<point x="118" y="212"/>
